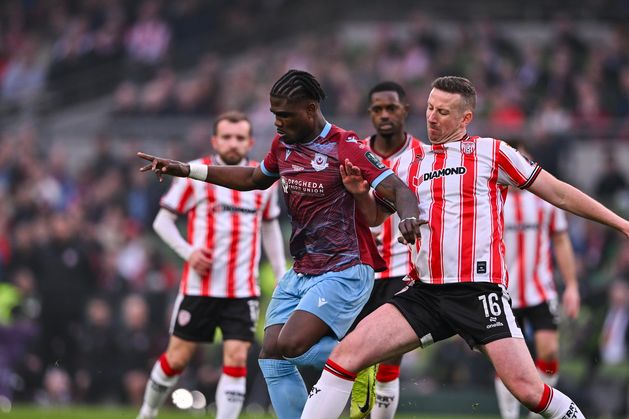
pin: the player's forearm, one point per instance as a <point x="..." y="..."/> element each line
<point x="273" y="244"/>
<point x="571" y="199"/>
<point x="406" y="202"/>
<point x="233" y="177"/>
<point x="564" y="256"/>
<point x="165" y="227"/>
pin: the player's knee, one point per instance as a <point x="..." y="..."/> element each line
<point x="177" y="360"/>
<point x="236" y="358"/>
<point x="292" y="347"/>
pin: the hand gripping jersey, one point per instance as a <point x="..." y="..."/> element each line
<point x="329" y="232"/>
<point x="228" y="223"/>
<point x="397" y="257"/>
<point x="529" y="224"/>
<point x="461" y="187"/>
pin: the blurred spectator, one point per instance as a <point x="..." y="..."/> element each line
<point x="98" y="369"/>
<point x="611" y="181"/>
<point x="147" y="41"/>
<point x="137" y="347"/>
<point x="25" y="75"/>
<point x="65" y="266"/>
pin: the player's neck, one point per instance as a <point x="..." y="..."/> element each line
<point x="385" y="146"/>
<point x="318" y="128"/>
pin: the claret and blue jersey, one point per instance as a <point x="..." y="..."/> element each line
<point x="329" y="232"/>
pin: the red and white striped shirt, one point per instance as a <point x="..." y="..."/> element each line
<point x="396" y="255"/>
<point x="529" y="224"/>
<point x="461" y="187"/>
<point x="227" y="222"/>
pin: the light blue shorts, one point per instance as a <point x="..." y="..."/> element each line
<point x="335" y="297"/>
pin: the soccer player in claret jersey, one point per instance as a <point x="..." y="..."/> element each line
<point x="219" y="285"/>
<point x="388" y="109"/>
<point x="334" y="254"/>
<point x="530" y="226"/>
<point x="460" y="272"/>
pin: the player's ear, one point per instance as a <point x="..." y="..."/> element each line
<point x="468" y="116"/>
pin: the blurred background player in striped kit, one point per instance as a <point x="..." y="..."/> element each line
<point x="219" y="283"/>
<point x="460" y="278"/>
<point x="388" y="110"/>
<point x="531" y="227"/>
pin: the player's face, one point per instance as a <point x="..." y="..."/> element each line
<point x="446" y="117"/>
<point x="387" y="113"/>
<point x="294" y="120"/>
<point x="232" y="140"/>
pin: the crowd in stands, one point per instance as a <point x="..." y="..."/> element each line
<point x="84" y="283"/>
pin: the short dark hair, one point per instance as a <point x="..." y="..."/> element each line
<point x="234" y="117"/>
<point x="388" y="86"/>
<point x="298" y="84"/>
<point x="459" y="85"/>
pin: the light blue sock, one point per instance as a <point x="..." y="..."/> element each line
<point x="286" y="387"/>
<point x="317" y="355"/>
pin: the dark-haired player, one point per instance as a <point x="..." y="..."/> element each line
<point x="460" y="274"/>
<point x="388" y="109"/>
<point x="334" y="254"/>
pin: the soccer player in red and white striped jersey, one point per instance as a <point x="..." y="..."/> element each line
<point x="219" y="283"/>
<point x="531" y="225"/>
<point x="460" y="284"/>
<point x="388" y="110"/>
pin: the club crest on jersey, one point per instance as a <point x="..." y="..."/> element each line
<point x="320" y="162"/>
<point x="468" y="147"/>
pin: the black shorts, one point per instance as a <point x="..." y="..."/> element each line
<point x="196" y="318"/>
<point x="478" y="312"/>
<point x="544" y="316"/>
<point x="383" y="290"/>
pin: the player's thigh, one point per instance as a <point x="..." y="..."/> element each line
<point x="383" y="334"/>
<point x="383" y="290"/>
<point x="235" y="352"/>
<point x="515" y="367"/>
<point x="270" y="349"/>
<point x="338" y="297"/>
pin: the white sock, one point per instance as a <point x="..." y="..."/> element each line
<point x="551" y="380"/>
<point x="561" y="406"/>
<point x="230" y="395"/>
<point x="387" y="399"/>
<point x="157" y="388"/>
<point x="507" y="403"/>
<point x="328" y="397"/>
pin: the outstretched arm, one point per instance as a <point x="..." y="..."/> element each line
<point x="569" y="198"/>
<point x="234" y="177"/>
<point x="391" y="190"/>
<point x="565" y="262"/>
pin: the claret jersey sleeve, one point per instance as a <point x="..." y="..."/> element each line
<point x="373" y="170"/>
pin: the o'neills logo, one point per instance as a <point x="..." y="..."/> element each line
<point x="445" y="172"/>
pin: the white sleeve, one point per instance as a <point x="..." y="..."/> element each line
<point x="165" y="227"/>
<point x="273" y="244"/>
<point x="513" y="168"/>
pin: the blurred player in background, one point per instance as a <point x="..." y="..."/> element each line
<point x="388" y="109"/>
<point x="335" y="256"/>
<point x="219" y="283"/>
<point x="531" y="225"/>
<point x="460" y="278"/>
